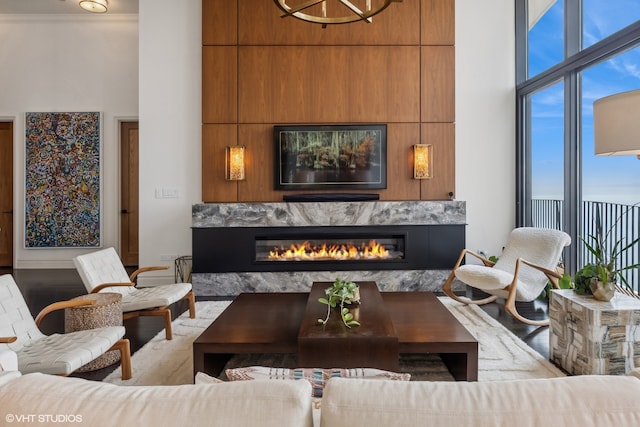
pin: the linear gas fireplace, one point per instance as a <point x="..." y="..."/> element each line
<point x="340" y="248"/>
<point x="284" y="247"/>
<point x="330" y="249"/>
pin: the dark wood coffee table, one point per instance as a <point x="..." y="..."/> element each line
<point x="373" y="344"/>
<point x="256" y="323"/>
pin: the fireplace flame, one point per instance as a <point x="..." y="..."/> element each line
<point x="307" y="252"/>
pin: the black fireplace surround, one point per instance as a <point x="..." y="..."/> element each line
<point x="233" y="249"/>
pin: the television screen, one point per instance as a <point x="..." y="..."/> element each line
<point x="325" y="157"/>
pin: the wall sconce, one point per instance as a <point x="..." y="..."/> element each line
<point x="422" y="161"/>
<point x="234" y="163"/>
<point x="616" y="128"/>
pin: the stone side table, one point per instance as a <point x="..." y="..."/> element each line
<point x="106" y="311"/>
<point x="587" y="336"/>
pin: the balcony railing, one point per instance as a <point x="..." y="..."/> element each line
<point x="616" y="221"/>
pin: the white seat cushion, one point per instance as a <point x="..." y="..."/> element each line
<point x="493" y="281"/>
<point x="61" y="354"/>
<point x="8" y="360"/>
<point x="583" y="400"/>
<point x="153" y="296"/>
<point x="234" y="404"/>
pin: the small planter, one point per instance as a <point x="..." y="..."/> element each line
<point x="603" y="291"/>
<point x="341" y="293"/>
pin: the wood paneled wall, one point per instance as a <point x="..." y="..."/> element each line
<point x="261" y="70"/>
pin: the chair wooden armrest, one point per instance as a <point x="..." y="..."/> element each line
<point x="447" y="287"/>
<point x="7" y="340"/>
<point x="110" y="285"/>
<point x="484" y="260"/>
<point x="59" y="306"/>
<point x="553" y="276"/>
<point x="141" y="270"/>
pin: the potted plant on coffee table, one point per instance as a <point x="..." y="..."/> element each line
<point x="341" y="293"/>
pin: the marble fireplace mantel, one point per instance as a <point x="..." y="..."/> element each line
<point x="304" y="214"/>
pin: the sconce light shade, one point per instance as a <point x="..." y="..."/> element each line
<point x="616" y="124"/>
<point x="95" y="6"/>
<point x="234" y="163"/>
<point x="422" y="161"/>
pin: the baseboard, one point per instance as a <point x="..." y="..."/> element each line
<point x="43" y="264"/>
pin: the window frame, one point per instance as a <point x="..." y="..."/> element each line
<point x="575" y="60"/>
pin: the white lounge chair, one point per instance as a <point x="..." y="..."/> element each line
<point x="528" y="262"/>
<point x="57" y="354"/>
<point x="103" y="271"/>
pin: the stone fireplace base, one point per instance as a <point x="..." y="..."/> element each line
<point x="227" y="284"/>
<point x="304" y="214"/>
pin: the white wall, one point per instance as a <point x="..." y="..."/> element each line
<point x="170" y="112"/>
<point x="170" y="126"/>
<point x="68" y="63"/>
<point x="485" y="120"/>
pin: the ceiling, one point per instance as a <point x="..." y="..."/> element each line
<point x="62" y="6"/>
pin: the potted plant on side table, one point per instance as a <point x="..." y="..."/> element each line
<point x="599" y="278"/>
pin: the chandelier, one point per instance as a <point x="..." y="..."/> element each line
<point x="342" y="11"/>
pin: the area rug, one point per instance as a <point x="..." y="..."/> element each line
<point x="502" y="355"/>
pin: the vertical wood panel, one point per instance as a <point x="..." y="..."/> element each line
<point x="400" y="182"/>
<point x="303" y="84"/>
<point x="219" y="84"/>
<point x="438" y="22"/>
<point x="438" y="84"/>
<point x="220" y="22"/>
<point x="442" y="136"/>
<point x="265" y="70"/>
<point x="215" y="188"/>
<point x="258" y="187"/>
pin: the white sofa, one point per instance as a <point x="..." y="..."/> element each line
<point x="571" y="401"/>
<point x="96" y="404"/>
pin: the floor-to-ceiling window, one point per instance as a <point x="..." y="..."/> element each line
<point x="547" y="155"/>
<point x="570" y="53"/>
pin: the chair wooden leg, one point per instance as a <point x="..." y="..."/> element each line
<point x="167" y="324"/>
<point x="510" y="307"/>
<point x="191" y="297"/>
<point x="125" y="357"/>
<point x="160" y="311"/>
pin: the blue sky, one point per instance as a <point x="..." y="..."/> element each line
<point x="610" y="179"/>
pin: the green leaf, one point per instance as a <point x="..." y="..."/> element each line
<point x="565" y="281"/>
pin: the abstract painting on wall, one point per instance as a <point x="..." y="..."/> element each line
<point x="62" y="181"/>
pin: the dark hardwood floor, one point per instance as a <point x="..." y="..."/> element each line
<point x="41" y="287"/>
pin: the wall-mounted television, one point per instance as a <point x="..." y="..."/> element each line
<point x="326" y="157"/>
